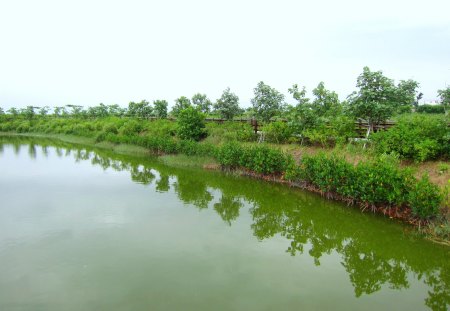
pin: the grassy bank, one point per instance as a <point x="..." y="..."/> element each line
<point x="376" y="183"/>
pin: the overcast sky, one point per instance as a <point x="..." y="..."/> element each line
<point x="59" y="52"/>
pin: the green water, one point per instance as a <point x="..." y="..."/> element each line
<point x="84" y="229"/>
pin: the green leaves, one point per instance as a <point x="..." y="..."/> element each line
<point x="267" y="101"/>
<point x="191" y="124"/>
<point x="228" y="105"/>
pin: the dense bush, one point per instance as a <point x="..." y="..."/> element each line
<point x="417" y="136"/>
<point x="379" y="183"/>
<point x="278" y="132"/>
<point x="260" y="159"/>
<point x="426" y="108"/>
<point x="424" y="198"/>
<point x="230" y="131"/>
<point x="190" y="124"/>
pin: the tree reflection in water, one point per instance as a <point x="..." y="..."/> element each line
<point x="371" y="258"/>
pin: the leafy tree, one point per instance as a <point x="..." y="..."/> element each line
<point x="181" y="103"/>
<point x="160" y="108"/>
<point x="325" y="100"/>
<point x="28" y="112"/>
<point x="99" y="111"/>
<point x="60" y="111"/>
<point x="267" y="101"/>
<point x="141" y="109"/>
<point x="43" y="111"/>
<point x="300" y="116"/>
<point x="190" y="124"/>
<point x="76" y="110"/>
<point x="2" y="111"/>
<point x="202" y="102"/>
<point x="228" y="105"/>
<point x="444" y="95"/>
<point x="13" y="111"/>
<point x="376" y="99"/>
<point x="115" y="110"/>
<point x="406" y="94"/>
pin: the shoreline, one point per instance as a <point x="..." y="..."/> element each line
<point x="400" y="214"/>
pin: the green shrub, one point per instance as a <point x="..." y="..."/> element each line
<point x="416" y="136"/>
<point x="264" y="160"/>
<point x="278" y="132"/>
<point x="427" y="108"/>
<point x="190" y="124"/>
<point x="424" y="198"/>
<point x="229" y="155"/>
<point x="130" y="127"/>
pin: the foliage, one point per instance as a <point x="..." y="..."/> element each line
<point x="228" y="105"/>
<point x="426" y="108"/>
<point x="444" y="95"/>
<point x="191" y="124"/>
<point x="424" y="199"/>
<point x="278" y="132"/>
<point x="181" y="103"/>
<point x="141" y="109"/>
<point x="260" y="159"/>
<point x="419" y="137"/>
<point x="202" y="102"/>
<point x="160" y="108"/>
<point x="376" y="99"/>
<point x="230" y="131"/>
<point x="267" y="102"/>
<point x="406" y="94"/>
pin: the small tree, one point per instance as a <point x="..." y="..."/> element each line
<point x="406" y="95"/>
<point x="325" y="100"/>
<point x="28" y="112"/>
<point x="202" y="102"/>
<point x="228" y="105"/>
<point x="140" y="110"/>
<point x="43" y="111"/>
<point x="160" y="108"/>
<point x="2" y="112"/>
<point x="444" y="95"/>
<point x="376" y="99"/>
<point x="181" y="103"/>
<point x="190" y="124"/>
<point x="76" y="110"/>
<point x="267" y="101"/>
<point x="13" y="111"/>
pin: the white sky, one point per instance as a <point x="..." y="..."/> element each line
<point x="85" y="52"/>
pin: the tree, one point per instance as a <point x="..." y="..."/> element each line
<point x="76" y="110"/>
<point x="28" y="112"/>
<point x="99" y="111"/>
<point x="267" y="101"/>
<point x="43" y="111"/>
<point x="181" y="103"/>
<point x="376" y="99"/>
<point x="13" y="111"/>
<point x="444" y="95"/>
<point x="406" y="95"/>
<point x="115" y="110"/>
<point x="300" y="116"/>
<point x="141" y="109"/>
<point x="325" y="100"/>
<point x="202" y="102"/>
<point x="2" y="111"/>
<point x="160" y="108"/>
<point x="60" y="111"/>
<point x="191" y="125"/>
<point x="228" y="105"/>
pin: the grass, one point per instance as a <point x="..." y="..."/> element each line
<point x="181" y="160"/>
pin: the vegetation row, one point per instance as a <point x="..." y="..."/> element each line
<point x="377" y="184"/>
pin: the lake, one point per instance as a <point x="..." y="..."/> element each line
<point x="87" y="229"/>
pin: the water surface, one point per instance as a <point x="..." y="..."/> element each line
<point x="85" y="229"/>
